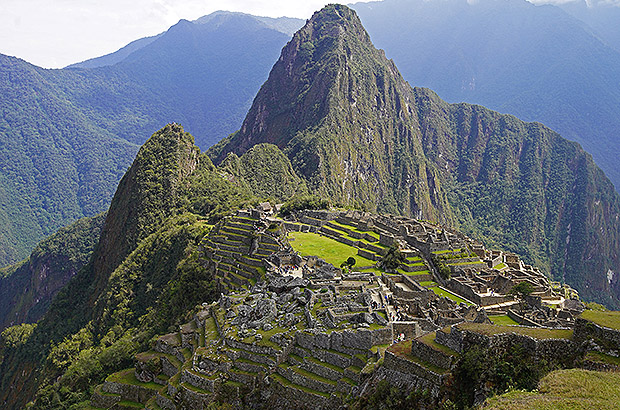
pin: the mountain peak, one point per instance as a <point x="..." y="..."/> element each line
<point x="299" y="91"/>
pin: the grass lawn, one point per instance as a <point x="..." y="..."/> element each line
<point x="439" y="291"/>
<point x="128" y="376"/>
<point x="334" y="252"/>
<point x="607" y="319"/>
<point x="403" y="349"/>
<point x="429" y="340"/>
<point x="354" y="229"/>
<point x="428" y="283"/>
<point x="534" y="332"/>
<point x="573" y="389"/>
<point x="503" y="320"/>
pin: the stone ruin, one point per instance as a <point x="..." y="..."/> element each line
<point x="295" y="331"/>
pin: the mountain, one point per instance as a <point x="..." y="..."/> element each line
<point x="27" y="288"/>
<point x="359" y="134"/>
<point x="336" y="116"/>
<point x="535" y="62"/>
<point x="67" y="136"/>
<point x="601" y="16"/>
<point x="142" y="278"/>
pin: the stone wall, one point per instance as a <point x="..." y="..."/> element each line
<point x="402" y="365"/>
<point x="430" y="355"/>
<point x="521" y="319"/>
<point x="411" y="330"/>
<point x="585" y="329"/>
<point x="203" y="382"/>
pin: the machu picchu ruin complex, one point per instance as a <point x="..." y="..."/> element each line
<point x="317" y="307"/>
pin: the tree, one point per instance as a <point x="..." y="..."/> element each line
<point x="393" y="258"/>
<point x="349" y="263"/>
<point x="521" y="290"/>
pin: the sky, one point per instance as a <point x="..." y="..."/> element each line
<point x="56" y="33"/>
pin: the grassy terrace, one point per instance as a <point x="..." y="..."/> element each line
<point x="288" y="383"/>
<point x="334" y="252"/>
<point x="441" y="292"/>
<point x="603" y="358"/>
<point x="403" y="350"/>
<point x="503" y="320"/>
<point x="354" y="229"/>
<point x="607" y="319"/>
<point x="429" y="340"/>
<point x="573" y="389"/>
<point x="448" y="251"/>
<point x="537" y="333"/>
<point x="417" y="273"/>
<point x="128" y="376"/>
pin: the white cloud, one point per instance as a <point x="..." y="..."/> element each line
<point x="55" y="33"/>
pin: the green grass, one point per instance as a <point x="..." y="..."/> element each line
<point x="429" y="340"/>
<point x="448" y="251"/>
<point x="334" y="252"/>
<point x="128" y="376"/>
<point x="428" y="283"/>
<point x="131" y="404"/>
<point x="328" y="365"/>
<point x="500" y="266"/>
<point x="417" y="273"/>
<point x="573" y="389"/>
<point x="440" y="292"/>
<point x="603" y="358"/>
<point x="608" y="318"/>
<point x="537" y="333"/>
<point x="464" y="263"/>
<point x="351" y="228"/>
<point x="503" y="320"/>
<point x="286" y="382"/>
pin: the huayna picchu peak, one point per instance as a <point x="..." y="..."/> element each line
<point x="360" y="135"/>
<point x="357" y="242"/>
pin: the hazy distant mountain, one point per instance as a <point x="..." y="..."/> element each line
<point x="67" y="136"/>
<point x="536" y="62"/>
<point x="285" y="25"/>
<point x="602" y="16"/>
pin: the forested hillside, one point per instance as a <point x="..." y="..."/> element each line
<point x="67" y="136"/>
<point x="536" y="62"/>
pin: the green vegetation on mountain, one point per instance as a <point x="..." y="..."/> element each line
<point x="337" y="117"/>
<point x="67" y="136"/>
<point x="266" y="172"/>
<point x="531" y="60"/>
<point x="360" y="136"/>
<point x="144" y="277"/>
<point x="326" y="105"/>
<point x="27" y="288"/>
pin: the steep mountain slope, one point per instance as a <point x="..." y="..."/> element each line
<point x="358" y="133"/>
<point x="341" y="113"/>
<point x="536" y="62"/>
<point x="142" y="278"/>
<point x="27" y="288"/>
<point x="67" y="136"/>
<point x="56" y="165"/>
